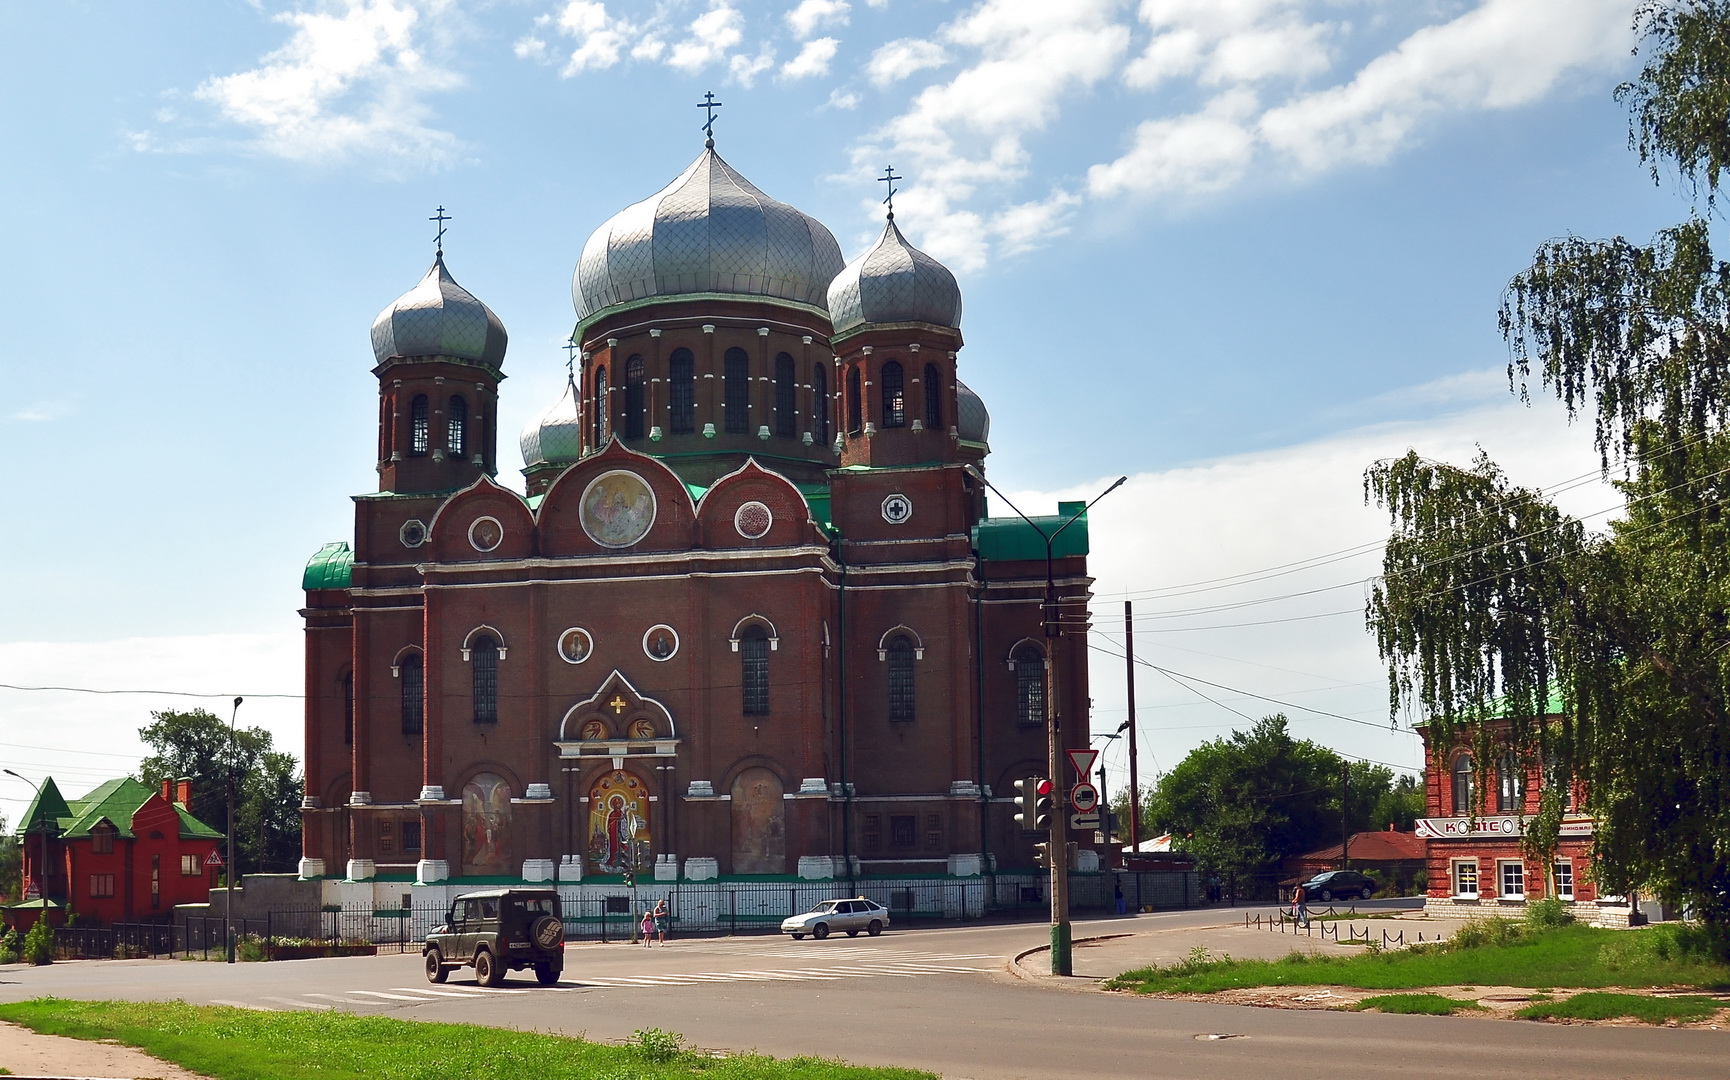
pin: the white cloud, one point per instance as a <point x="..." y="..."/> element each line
<point x="744" y="69"/>
<point x="842" y="99"/>
<point x="899" y="59"/>
<point x="1203" y="151"/>
<point x="350" y="82"/>
<point x="600" y="38"/>
<point x="805" y="19"/>
<point x="813" y="60"/>
<point x="42" y="411"/>
<point x="1228" y="41"/>
<point x="712" y="36"/>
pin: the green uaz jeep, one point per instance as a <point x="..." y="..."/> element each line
<point x="496" y="931"/>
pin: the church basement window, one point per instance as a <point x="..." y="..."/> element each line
<point x="736" y="393"/>
<point x="484" y="675"/>
<point x="682" y="392"/>
<point x="900" y="678"/>
<point x="894" y="396"/>
<point x="901" y="830"/>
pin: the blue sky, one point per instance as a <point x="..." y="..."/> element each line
<point x="1235" y="249"/>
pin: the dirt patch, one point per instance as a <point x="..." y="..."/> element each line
<point x="1499" y="1002"/>
<point x="29" y="1054"/>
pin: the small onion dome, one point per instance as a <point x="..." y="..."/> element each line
<point x="894" y="282"/>
<point x="557" y="434"/>
<point x="438" y="317"/>
<point x="972" y="421"/>
<point x="709" y="231"/>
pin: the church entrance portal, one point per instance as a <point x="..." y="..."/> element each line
<point x="759" y="823"/>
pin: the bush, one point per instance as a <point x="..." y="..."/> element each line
<point x="249" y="948"/>
<point x="658" y="1045"/>
<point x="39" y="943"/>
<point x="1548" y="914"/>
<point x="9" y="946"/>
<point x="1490" y="930"/>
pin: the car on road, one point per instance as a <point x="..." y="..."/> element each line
<point x="496" y="931"/>
<point x="851" y="915"/>
<point x="1338" y="885"/>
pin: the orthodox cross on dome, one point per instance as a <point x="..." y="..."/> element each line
<point x="571" y="360"/>
<point x="710" y="104"/>
<point x="439" y="241"/>
<point x="889" y="178"/>
<point x="617" y="704"/>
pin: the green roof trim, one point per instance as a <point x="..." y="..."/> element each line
<point x="47" y="807"/>
<point x="696" y="491"/>
<point x="115" y="801"/>
<point x="193" y="829"/>
<point x="1014" y="540"/>
<point x="534" y="501"/>
<point x="331" y="568"/>
<point x="31" y="905"/>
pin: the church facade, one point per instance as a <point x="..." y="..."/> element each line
<point x="748" y="616"/>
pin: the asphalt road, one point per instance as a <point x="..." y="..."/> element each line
<point x="939" y="999"/>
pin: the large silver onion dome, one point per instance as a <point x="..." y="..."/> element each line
<point x="972" y="421"/>
<point x="894" y="282"/>
<point x="709" y="231"/>
<point x="438" y="317"/>
<point x="557" y="434"/>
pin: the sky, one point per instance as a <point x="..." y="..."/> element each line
<point x="1236" y="250"/>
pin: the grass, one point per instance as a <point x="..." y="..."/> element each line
<point x="1570" y="956"/>
<point x="1601" y="1006"/>
<point x="1420" y="1004"/>
<point x="240" y="1044"/>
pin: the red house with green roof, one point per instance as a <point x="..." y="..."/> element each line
<point x="122" y="853"/>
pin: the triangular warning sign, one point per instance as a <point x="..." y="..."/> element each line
<point x="1083" y="761"/>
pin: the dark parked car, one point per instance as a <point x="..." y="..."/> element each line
<point x="496" y="931"/>
<point x="1339" y="884"/>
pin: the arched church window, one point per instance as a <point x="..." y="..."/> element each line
<point x="754" y="665"/>
<point x="419" y="427"/>
<point x="484" y="673"/>
<point x="1462" y="774"/>
<point x="820" y="403"/>
<point x="413" y="676"/>
<point x="634" y="397"/>
<point x="736" y="391"/>
<point x="601" y="429"/>
<point x="1029" y="687"/>
<point x="855" y="411"/>
<point x="894" y="396"/>
<point x="933" y="398"/>
<point x="348" y="707"/>
<point x="682" y="392"/>
<point x="456" y="428"/>
<point x="900" y="677"/>
<point x="786" y="398"/>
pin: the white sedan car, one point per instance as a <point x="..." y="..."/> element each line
<point x="849" y="915"/>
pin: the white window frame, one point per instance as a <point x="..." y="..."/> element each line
<point x="1454" y="869"/>
<point x="1564" y="893"/>
<point x="1502" y="867"/>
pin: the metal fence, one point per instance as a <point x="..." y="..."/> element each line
<point x="1328" y="924"/>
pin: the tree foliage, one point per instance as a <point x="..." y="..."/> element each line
<point x="1492" y="600"/>
<point x="11" y="864"/>
<point x="199" y="745"/>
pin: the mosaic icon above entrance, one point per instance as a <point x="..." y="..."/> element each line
<point x="617" y="509"/>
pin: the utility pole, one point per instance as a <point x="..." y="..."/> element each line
<point x="42" y="893"/>
<point x="1345" y="835"/>
<point x="1134" y="782"/>
<point x="228" y="871"/>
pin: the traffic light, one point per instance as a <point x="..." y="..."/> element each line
<point x="1027" y="803"/>
<point x="1042" y="805"/>
<point x="1042" y="854"/>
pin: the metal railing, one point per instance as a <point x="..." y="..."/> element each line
<point x="1317" y="925"/>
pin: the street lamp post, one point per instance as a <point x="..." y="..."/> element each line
<point x="1061" y="963"/>
<point x="44" y="868"/>
<point x="228" y="874"/>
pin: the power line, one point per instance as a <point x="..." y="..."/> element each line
<point x="160" y="693"/>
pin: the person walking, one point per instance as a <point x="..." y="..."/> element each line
<point x="1300" y="911"/>
<point x="660" y="915"/>
<point x="648" y="928"/>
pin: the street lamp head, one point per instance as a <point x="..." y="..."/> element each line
<point x="238" y="700"/>
<point x="1120" y="482"/>
<point x="974" y="472"/>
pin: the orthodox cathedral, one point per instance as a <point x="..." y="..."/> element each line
<point x="750" y="616"/>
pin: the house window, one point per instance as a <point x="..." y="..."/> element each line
<point x="900" y="678"/>
<point x="1462" y="773"/>
<point x="901" y="827"/>
<point x="102" y="838"/>
<point x="1564" y="879"/>
<point x="1513" y="880"/>
<point x="820" y="403"/>
<point x="754" y="664"/>
<point x="1510" y="786"/>
<point x="348" y="707"/>
<point x="736" y="391"/>
<point x="1553" y="778"/>
<point x="873" y="832"/>
<point x="189" y="866"/>
<point x="456" y="428"/>
<point x="855" y="414"/>
<point x="894" y="396"/>
<point x="411" y="837"/>
<point x="412" y="674"/>
<point x="635" y="405"/>
<point x="484" y="676"/>
<point x="600" y="428"/>
<point x="101" y="885"/>
<point x="786" y="398"/>
<point x="1466" y="879"/>
<point x="682" y="391"/>
<point x="1029" y="687"/>
<point x="419" y="428"/>
<point x="156" y="881"/>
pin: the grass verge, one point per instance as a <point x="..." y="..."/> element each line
<point x="1571" y="956"/>
<point x="239" y="1044"/>
<point x="1419" y="1004"/>
<point x="1602" y="1006"/>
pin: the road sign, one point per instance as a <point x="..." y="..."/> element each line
<point x="1083" y="761"/>
<point x="1084" y="822"/>
<point x="214" y="858"/>
<point x="1084" y="797"/>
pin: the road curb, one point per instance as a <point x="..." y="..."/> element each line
<point x="1067" y="982"/>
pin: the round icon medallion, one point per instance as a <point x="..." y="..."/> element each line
<point x="897" y="508"/>
<point x="753" y="520"/>
<point x="485" y="533"/>
<point x="575" y="645"/>
<point x="660" y="642"/>
<point x="618" y="508"/>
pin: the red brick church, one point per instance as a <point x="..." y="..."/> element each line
<point x="747" y="615"/>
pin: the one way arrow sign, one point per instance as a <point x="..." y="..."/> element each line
<point x="1083" y="761"/>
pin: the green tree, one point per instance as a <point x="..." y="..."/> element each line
<point x="1491" y="599"/>
<point x="1401" y="805"/>
<point x="11" y="864"/>
<point x="198" y="745"/>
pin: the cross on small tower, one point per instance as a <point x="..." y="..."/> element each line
<point x="710" y="104"/>
<point x="617" y="704"/>
<point x="571" y="360"/>
<point x="889" y="178"/>
<point x="441" y="217"/>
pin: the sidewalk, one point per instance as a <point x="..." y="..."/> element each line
<point x="29" y="1054"/>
